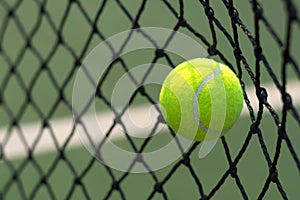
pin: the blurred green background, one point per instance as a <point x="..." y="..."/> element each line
<point x="75" y="28"/>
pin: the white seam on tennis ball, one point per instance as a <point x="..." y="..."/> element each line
<point x="196" y="96"/>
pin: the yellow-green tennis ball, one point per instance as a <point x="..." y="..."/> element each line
<point x="201" y="99"/>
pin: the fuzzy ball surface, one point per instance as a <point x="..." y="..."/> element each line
<point x="201" y="99"/>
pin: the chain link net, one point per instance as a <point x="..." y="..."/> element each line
<point x="39" y="45"/>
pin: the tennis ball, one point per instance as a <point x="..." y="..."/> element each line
<point x="201" y="99"/>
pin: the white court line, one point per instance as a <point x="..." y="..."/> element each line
<point x="142" y="117"/>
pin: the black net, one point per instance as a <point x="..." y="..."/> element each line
<point x="42" y="46"/>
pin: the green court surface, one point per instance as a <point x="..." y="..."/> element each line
<point x="20" y="178"/>
<point x="252" y="171"/>
<point x="44" y="91"/>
